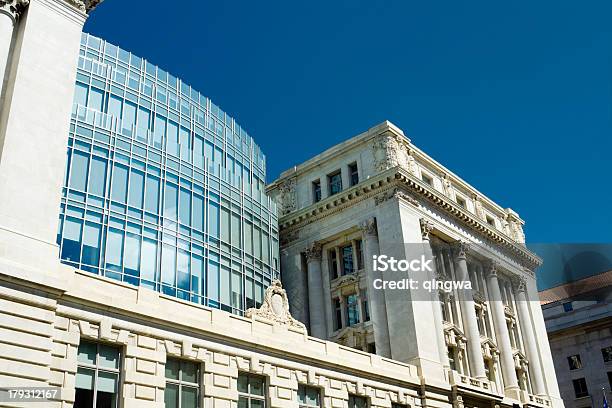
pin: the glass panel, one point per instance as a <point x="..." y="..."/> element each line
<point x="149" y="259"/>
<point x="132" y="254"/>
<point x="115" y="105"/>
<point x="172" y="143"/>
<point x="97" y="177"/>
<point x="80" y="94"/>
<point x="170" y="201"/>
<point x="87" y="353"/>
<point x="168" y="264"/>
<point x="84" y="379"/>
<point x="152" y="199"/>
<point x="107" y="382"/>
<point x="183" y="269"/>
<point x="189" y="372"/>
<point x="213" y="281"/>
<point x="198" y="212"/>
<point x="224" y="280"/>
<point x="119" y="184"/>
<point x="213" y="219"/>
<point x="185" y="207"/>
<point x="91" y="244"/>
<point x="257" y="403"/>
<point x="114" y="249"/>
<point x="71" y="245"/>
<point x="172" y="369"/>
<point x="225" y="225"/>
<point x="78" y="174"/>
<point x="136" y="188"/>
<point x="257" y="385"/>
<point x="171" y="396"/>
<point x="108" y="357"/>
<point x="243" y="402"/>
<point x="243" y="383"/>
<point x="95" y="99"/>
<point x="197" y="273"/>
<point x="189" y="397"/>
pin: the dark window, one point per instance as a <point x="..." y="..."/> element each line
<point x="357" y="402"/>
<point x="580" y="388"/>
<point x="308" y="396"/>
<point x="347" y="260"/>
<point x="568" y="307"/>
<point x="359" y="245"/>
<point x="606" y="353"/>
<point x="316" y="190"/>
<point x="574" y="362"/>
<point x="334" y="263"/>
<point x="338" y="314"/>
<point x="452" y="360"/>
<point x="610" y="379"/>
<point x="426" y="179"/>
<point x="365" y="305"/>
<point x="335" y="183"/>
<point x="353" y="174"/>
<point x="372" y="348"/>
<point x="490" y="221"/>
<point x="352" y="310"/>
<point x="461" y="202"/>
<point x="251" y="391"/>
<point x="97" y="377"/>
<point x="182" y="384"/>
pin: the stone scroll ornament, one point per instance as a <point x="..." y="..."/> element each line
<point x="275" y="307"/>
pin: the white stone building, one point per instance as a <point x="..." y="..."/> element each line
<point x="377" y="193"/>
<point x="578" y="318"/>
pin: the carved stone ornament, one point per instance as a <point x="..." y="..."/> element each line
<point x="287" y="197"/>
<point x="491" y="268"/>
<point x="426" y="228"/>
<point x="460" y="248"/>
<point x="395" y="193"/>
<point x="519" y="284"/>
<point x="14" y="8"/>
<point x="369" y="227"/>
<point x="275" y="308"/>
<point x="478" y="208"/>
<point x="313" y="253"/>
<point x="389" y="151"/>
<point x="447" y="186"/>
<point x="84" y="5"/>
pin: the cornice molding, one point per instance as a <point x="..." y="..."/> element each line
<point x="399" y="183"/>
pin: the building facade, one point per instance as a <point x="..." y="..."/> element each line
<point x="378" y="194"/>
<point x="578" y="318"/>
<point x="162" y="188"/>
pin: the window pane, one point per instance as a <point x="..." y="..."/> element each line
<point x="189" y="372"/>
<point x="91" y="244"/>
<point x="107" y="382"/>
<point x="172" y="143"/>
<point x="78" y="174"/>
<point x="172" y="369"/>
<point x="171" y="396"/>
<point x="115" y="105"/>
<point x="225" y="225"/>
<point x="224" y="280"/>
<point x="189" y="397"/>
<point x="168" y="264"/>
<point x="170" y="201"/>
<point x="257" y="385"/>
<point x="152" y="200"/>
<point x="119" y="184"/>
<point x="256" y="403"/>
<point x="243" y="383"/>
<point x="84" y="379"/>
<point x="95" y="99"/>
<point x="108" y="357"/>
<point x="213" y="281"/>
<point x="213" y="219"/>
<point x="185" y="207"/>
<point x="198" y="212"/>
<point x="87" y="353"/>
<point x="183" y="270"/>
<point x="114" y="249"/>
<point x="97" y="177"/>
<point x="80" y="94"/>
<point x="136" y="188"/>
<point x="71" y="244"/>
<point x="132" y="254"/>
<point x="197" y="274"/>
<point x="149" y="259"/>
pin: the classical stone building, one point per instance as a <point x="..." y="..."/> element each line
<point x="85" y="327"/>
<point x="378" y="194"/>
<point x="578" y="318"/>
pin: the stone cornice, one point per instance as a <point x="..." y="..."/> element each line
<point x="398" y="177"/>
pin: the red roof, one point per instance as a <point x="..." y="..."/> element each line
<point x="575" y="288"/>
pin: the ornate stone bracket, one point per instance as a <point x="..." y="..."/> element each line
<point x="426" y="228"/>
<point x="85" y="6"/>
<point x="369" y="227"/>
<point x="13" y="8"/>
<point x="275" y="308"/>
<point x="314" y="252"/>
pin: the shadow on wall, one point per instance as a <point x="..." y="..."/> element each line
<point x="565" y="263"/>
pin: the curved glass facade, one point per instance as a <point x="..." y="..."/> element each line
<point x="162" y="188"/>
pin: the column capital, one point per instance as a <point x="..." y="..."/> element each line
<point x="460" y="249"/>
<point x="519" y="284"/>
<point x="368" y="227"/>
<point x="13" y="8"/>
<point x="313" y="252"/>
<point x="426" y="228"/>
<point x="491" y="267"/>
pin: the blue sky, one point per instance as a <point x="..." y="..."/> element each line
<point x="514" y="97"/>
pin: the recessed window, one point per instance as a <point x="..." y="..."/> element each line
<point x="580" y="388"/>
<point x="490" y="220"/>
<point x="461" y="202"/>
<point x="372" y="348"/>
<point x="568" y="307"/>
<point x="333" y="259"/>
<point x="606" y="353"/>
<point x="337" y="314"/>
<point x="251" y="391"/>
<point x="308" y="397"/>
<point x="97" y="377"/>
<point x="348" y="267"/>
<point x="357" y="402"/>
<point x="334" y="181"/>
<point x="353" y="174"/>
<point x="610" y="379"/>
<point x="574" y="362"/>
<point x="352" y="310"/>
<point x="316" y="190"/>
<point x="427" y="179"/>
<point x="182" y="384"/>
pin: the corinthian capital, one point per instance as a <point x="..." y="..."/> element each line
<point x="519" y="284"/>
<point x="491" y="268"/>
<point x="313" y="253"/>
<point x="369" y="227"/>
<point x="426" y="228"/>
<point x="460" y="249"/>
<point x="13" y="8"/>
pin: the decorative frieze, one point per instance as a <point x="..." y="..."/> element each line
<point x="275" y="308"/>
<point x="287" y="199"/>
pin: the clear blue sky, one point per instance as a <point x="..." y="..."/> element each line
<point x="515" y="97"/>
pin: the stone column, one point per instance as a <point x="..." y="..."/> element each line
<point x="376" y="297"/>
<point x="10" y="11"/>
<point x="318" y="324"/>
<point x="426" y="228"/>
<point x="533" y="356"/>
<point x="502" y="335"/>
<point x="468" y="313"/>
<point x="344" y="322"/>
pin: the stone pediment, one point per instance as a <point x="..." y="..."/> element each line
<point x="453" y="336"/>
<point x="275" y="307"/>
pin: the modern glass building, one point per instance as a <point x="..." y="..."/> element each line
<point x="162" y="188"/>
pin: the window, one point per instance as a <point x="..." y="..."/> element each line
<point x="347" y="260"/>
<point x="574" y="362"/>
<point x="372" y="348"/>
<point x="335" y="183"/>
<point x="359" y="246"/>
<point x="308" y="396"/>
<point x="568" y="307"/>
<point x="353" y="174"/>
<point x="334" y="263"/>
<point x="182" y="384"/>
<point x="357" y="402"/>
<point x="365" y="305"/>
<point x="461" y="202"/>
<point x="488" y="365"/>
<point x="606" y="353"/>
<point x="352" y="310"/>
<point x="580" y="388"/>
<point x="426" y="179"/>
<point x="452" y="360"/>
<point x="490" y="220"/>
<point x="251" y="391"/>
<point x="338" y="314"/>
<point x="316" y="190"/>
<point x="610" y="379"/>
<point x="97" y="378"/>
